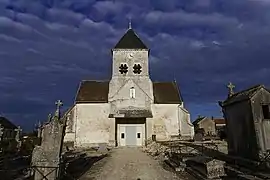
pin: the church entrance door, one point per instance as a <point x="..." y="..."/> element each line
<point x="130" y="133"/>
<point x="131" y="139"/>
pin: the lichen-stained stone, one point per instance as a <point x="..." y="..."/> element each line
<point x="46" y="158"/>
<point x="206" y="166"/>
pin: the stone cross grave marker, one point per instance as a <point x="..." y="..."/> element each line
<point x="230" y="86"/>
<point x="49" y="117"/>
<point x="1" y="131"/>
<point x="18" y="137"/>
<point x="39" y="129"/>
<point x="1" y="134"/>
<point x="58" y="105"/>
<point x="46" y="157"/>
<point x="18" y="133"/>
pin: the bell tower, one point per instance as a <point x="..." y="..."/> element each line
<point x="130" y="57"/>
<point x="130" y="67"/>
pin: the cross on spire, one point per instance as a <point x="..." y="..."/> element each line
<point x="230" y="86"/>
<point x="174" y="78"/>
<point x="129" y="23"/>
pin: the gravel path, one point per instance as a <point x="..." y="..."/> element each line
<point x="128" y="164"/>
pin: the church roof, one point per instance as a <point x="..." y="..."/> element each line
<point x="242" y="95"/>
<point x="166" y="93"/>
<point x="130" y="40"/>
<point x="6" y="124"/>
<point x="93" y="92"/>
<point x="97" y="92"/>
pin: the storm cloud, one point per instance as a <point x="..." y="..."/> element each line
<point x="47" y="47"/>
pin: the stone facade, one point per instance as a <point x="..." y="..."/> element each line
<point x="46" y="158"/>
<point x="129" y="98"/>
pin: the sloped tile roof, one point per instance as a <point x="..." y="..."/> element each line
<point x="7" y="124"/>
<point x="97" y="92"/>
<point x="219" y="121"/>
<point x="166" y="93"/>
<point x="130" y="40"/>
<point x="93" y="92"/>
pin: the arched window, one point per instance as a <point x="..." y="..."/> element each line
<point x="132" y="92"/>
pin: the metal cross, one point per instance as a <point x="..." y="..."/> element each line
<point x="49" y="117"/>
<point x="230" y="86"/>
<point x="129" y="24"/>
<point x="57" y="112"/>
<point x="58" y="104"/>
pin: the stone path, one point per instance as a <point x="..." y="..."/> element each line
<point x="128" y="164"/>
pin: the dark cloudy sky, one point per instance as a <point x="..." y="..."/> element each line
<point x="48" y="46"/>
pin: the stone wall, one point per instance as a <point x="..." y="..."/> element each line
<point x="139" y="57"/>
<point x="120" y="84"/>
<point x="208" y="125"/>
<point x="70" y="125"/>
<point x="167" y="118"/>
<point x="93" y="125"/>
<point x="262" y="127"/>
<point x="122" y="99"/>
<point x="187" y="128"/>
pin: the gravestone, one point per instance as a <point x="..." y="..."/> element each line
<point x="102" y="149"/>
<point x="18" y="137"/>
<point x="1" y="132"/>
<point x="206" y="167"/>
<point x="198" y="137"/>
<point x="49" y="118"/>
<point x="46" y="157"/>
<point x="39" y="129"/>
<point x="1" y="135"/>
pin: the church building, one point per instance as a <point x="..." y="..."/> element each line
<point x="128" y="109"/>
